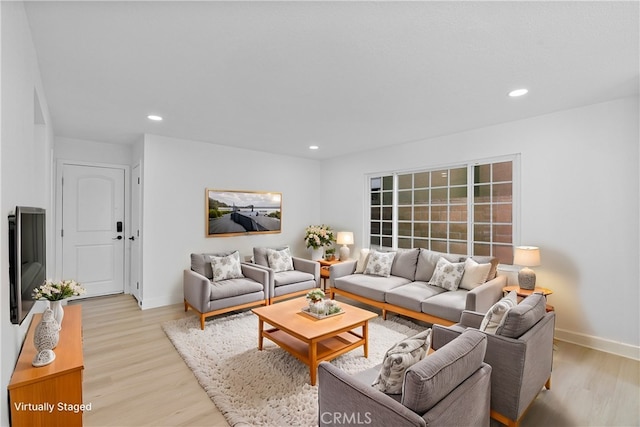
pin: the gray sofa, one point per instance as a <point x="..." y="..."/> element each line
<point x="447" y="388"/>
<point x="406" y="291"/>
<point x="520" y="353"/>
<point x="209" y="298"/>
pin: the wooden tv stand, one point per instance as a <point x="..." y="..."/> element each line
<point x="50" y="395"/>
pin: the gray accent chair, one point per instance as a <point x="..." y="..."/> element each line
<point x="209" y="298"/>
<point x="447" y="388"/>
<point x="520" y="353"/>
<point x="286" y="284"/>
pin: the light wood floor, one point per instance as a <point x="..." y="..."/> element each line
<point x="134" y="377"/>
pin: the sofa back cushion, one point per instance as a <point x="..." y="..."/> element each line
<point x="404" y="263"/>
<point x="427" y="261"/>
<point x="523" y="316"/>
<point x="261" y="255"/>
<point x="201" y="263"/>
<point x="435" y="376"/>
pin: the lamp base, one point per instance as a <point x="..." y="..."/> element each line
<point x="344" y="253"/>
<point x="527" y="279"/>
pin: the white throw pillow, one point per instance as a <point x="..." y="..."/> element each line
<point x="280" y="260"/>
<point x="362" y="261"/>
<point x="497" y="313"/>
<point x="474" y="274"/>
<point x="400" y="357"/>
<point x="379" y="263"/>
<point x="226" y="267"/>
<point x="447" y="274"/>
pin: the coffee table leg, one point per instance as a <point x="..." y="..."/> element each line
<point x="260" y="328"/>
<point x="313" y="361"/>
<point x="365" y="336"/>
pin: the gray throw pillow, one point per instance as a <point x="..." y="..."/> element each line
<point x="226" y="267"/>
<point x="398" y="359"/>
<point x="379" y="263"/>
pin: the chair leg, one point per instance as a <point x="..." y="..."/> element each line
<point x="186" y="305"/>
<point x="384" y="314"/>
<point x="547" y="385"/>
<point x="202" y="321"/>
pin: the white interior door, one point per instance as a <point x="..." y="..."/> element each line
<point x="93" y="227"/>
<point x="136" y="196"/>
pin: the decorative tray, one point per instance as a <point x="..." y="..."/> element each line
<point x="305" y="310"/>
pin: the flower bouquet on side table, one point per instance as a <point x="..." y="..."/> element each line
<point x="55" y="292"/>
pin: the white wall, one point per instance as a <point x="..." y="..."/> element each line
<point x="580" y="186"/>
<point x="92" y="151"/>
<point x="175" y="176"/>
<point x="25" y="167"/>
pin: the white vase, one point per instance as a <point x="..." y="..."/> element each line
<point x="58" y="311"/>
<point x="317" y="254"/>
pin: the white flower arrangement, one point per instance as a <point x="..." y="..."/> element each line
<point x="55" y="291"/>
<point x="317" y="236"/>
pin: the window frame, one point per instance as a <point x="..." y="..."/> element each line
<point x="396" y="206"/>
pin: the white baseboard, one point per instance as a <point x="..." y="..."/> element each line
<point x="601" y="344"/>
<point x="162" y="301"/>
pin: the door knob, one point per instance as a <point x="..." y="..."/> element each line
<point x="117" y="238"/>
<point x="132" y="238"/>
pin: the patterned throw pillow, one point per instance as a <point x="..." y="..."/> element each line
<point x="280" y="260"/>
<point x="447" y="274"/>
<point x="497" y="313"/>
<point x="226" y="267"/>
<point x="379" y="263"/>
<point x="474" y="274"/>
<point x="400" y="357"/>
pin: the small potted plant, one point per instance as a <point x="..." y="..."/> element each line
<point x="316" y="301"/>
<point x="330" y="254"/>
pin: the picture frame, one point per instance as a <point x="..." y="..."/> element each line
<point x="234" y="212"/>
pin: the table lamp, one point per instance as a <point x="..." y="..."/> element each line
<point x="526" y="256"/>
<point x="344" y="238"/>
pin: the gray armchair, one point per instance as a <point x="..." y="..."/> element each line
<point x="286" y="284"/>
<point x="520" y="353"/>
<point x="447" y="388"/>
<point x="209" y="298"/>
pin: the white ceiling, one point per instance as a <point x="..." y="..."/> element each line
<point x="347" y="76"/>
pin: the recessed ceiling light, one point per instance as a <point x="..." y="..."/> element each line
<point x="518" y="92"/>
<point x="313" y="147"/>
<point x="154" y="118"/>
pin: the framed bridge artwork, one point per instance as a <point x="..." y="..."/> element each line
<point x="233" y="213"/>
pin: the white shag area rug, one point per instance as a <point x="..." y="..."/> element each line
<point x="268" y="387"/>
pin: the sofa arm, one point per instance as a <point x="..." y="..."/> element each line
<point x="481" y="298"/>
<point x="196" y="290"/>
<point x="260" y="275"/>
<point x="308" y="266"/>
<point x="345" y="401"/>
<point x="342" y="269"/>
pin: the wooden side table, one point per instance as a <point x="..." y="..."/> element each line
<point x="523" y="293"/>
<point x="324" y="271"/>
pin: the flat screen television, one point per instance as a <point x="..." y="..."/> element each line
<point x="27" y="258"/>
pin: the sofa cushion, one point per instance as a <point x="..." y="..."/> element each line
<point x="362" y="261"/>
<point x="474" y="274"/>
<point x="434" y="377"/>
<point x="232" y="288"/>
<point x="522" y="317"/>
<point x="401" y="356"/>
<point x="379" y="263"/>
<point x="226" y="267"/>
<point x="411" y="295"/>
<point x="291" y="276"/>
<point x="405" y="262"/>
<point x="494" y="317"/>
<point x="260" y="255"/>
<point x="484" y="259"/>
<point x="447" y="275"/>
<point x="446" y="305"/>
<point x="368" y="286"/>
<point x="280" y="260"/>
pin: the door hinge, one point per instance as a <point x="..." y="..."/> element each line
<point x="61" y="233"/>
<point x="138" y="180"/>
<point x="137" y="285"/>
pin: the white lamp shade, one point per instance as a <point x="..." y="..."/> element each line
<point x="344" y="238"/>
<point x="527" y="256"/>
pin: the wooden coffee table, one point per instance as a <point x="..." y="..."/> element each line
<point x="313" y="340"/>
